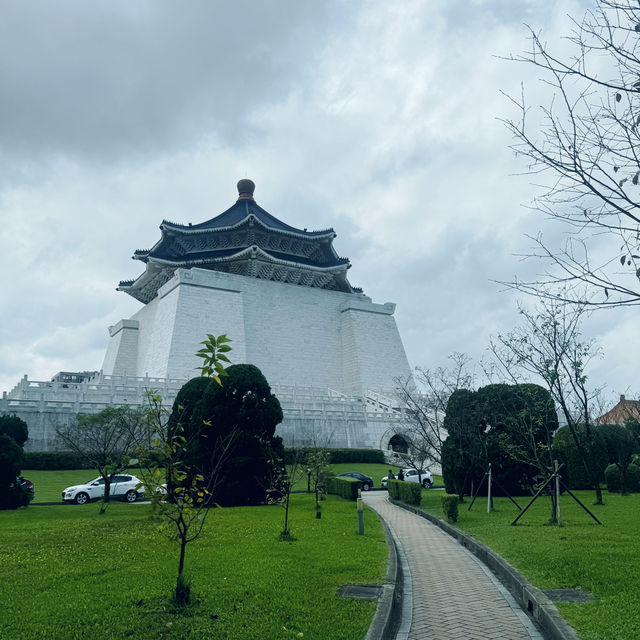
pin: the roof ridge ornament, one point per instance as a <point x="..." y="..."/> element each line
<point x="246" y="188"/>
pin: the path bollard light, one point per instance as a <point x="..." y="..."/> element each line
<point x="360" y="514"/>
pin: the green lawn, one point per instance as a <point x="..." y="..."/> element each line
<point x="374" y="471"/>
<point x="69" y="573"/>
<point x="601" y="559"/>
<point x="49" y="484"/>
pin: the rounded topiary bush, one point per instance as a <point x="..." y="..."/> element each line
<point x="13" y="497"/>
<point x="244" y="409"/>
<point x="613" y="478"/>
<point x="631" y="479"/>
<point x="450" y="503"/>
<point x="11" y="494"/>
<point x="632" y="483"/>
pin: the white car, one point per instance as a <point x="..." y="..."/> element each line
<point x="412" y="475"/>
<point x="123" y="487"/>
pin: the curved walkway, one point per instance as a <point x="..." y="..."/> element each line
<point x="449" y="594"/>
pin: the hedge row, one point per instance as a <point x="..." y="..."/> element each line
<point x="344" y="487"/>
<point x="53" y="460"/>
<point x="336" y="456"/>
<point x="409" y="492"/>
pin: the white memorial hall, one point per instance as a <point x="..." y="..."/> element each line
<point x="280" y="294"/>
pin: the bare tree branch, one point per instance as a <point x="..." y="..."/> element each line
<point x="586" y="149"/>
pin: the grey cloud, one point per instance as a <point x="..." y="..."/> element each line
<point x="375" y="118"/>
<point x="103" y="79"/>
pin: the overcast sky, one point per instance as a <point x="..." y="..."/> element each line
<point x="379" y="119"/>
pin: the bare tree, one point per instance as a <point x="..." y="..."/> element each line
<point x="585" y="154"/>
<point x="424" y="398"/>
<point x="106" y="440"/>
<point x="285" y="474"/>
<point x="549" y="346"/>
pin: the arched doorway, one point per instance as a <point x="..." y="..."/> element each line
<point x="398" y="444"/>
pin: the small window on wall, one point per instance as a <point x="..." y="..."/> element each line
<point x="398" y="444"/>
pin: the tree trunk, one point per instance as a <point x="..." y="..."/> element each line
<point x="285" y="531"/>
<point x="183" y="548"/>
<point x="107" y="494"/>
<point x="554" y="511"/>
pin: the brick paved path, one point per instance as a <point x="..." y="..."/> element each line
<point x="453" y="596"/>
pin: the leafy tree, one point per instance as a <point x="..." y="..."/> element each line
<point x="549" y="346"/>
<point x="14" y="427"/>
<point x="585" y="156"/>
<point x="509" y="426"/>
<point x="633" y="427"/>
<point x="106" y="440"/>
<point x="12" y="495"/>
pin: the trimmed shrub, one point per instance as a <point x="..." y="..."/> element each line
<point x="14" y="427"/>
<point x="344" y="487"/>
<point x="392" y="488"/>
<point x="11" y="494"/>
<point x="53" y="460"/>
<point x="374" y="456"/>
<point x="13" y="497"/>
<point x="450" y="503"/>
<point x="336" y="456"/>
<point x="633" y="478"/>
<point x="243" y="408"/>
<point x="408" y="492"/>
<point x="613" y="477"/>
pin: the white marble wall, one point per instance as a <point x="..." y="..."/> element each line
<point x="299" y="336"/>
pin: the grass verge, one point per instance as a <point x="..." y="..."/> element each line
<point x="68" y="573"/>
<point x="603" y="559"/>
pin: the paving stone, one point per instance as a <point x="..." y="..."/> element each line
<point x="454" y="598"/>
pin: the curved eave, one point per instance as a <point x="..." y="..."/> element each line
<point x="253" y="252"/>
